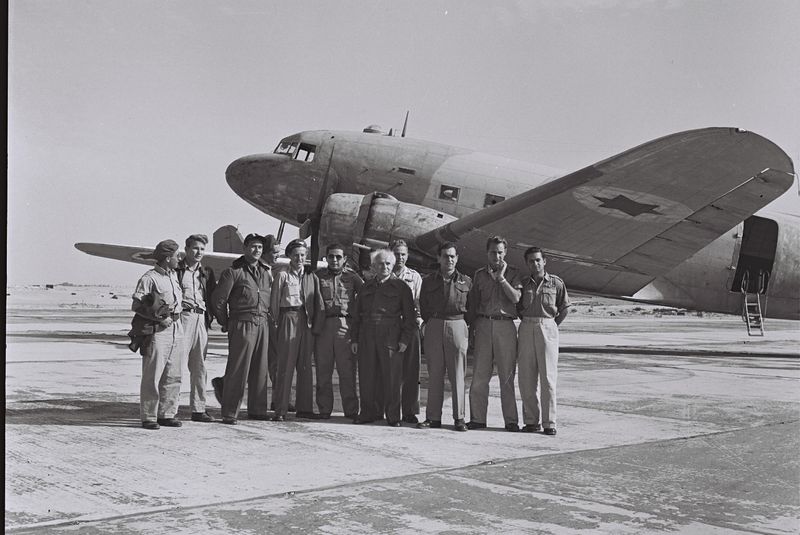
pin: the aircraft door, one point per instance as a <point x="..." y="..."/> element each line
<point x="756" y="255"/>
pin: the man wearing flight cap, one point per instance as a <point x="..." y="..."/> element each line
<point x="296" y="301"/>
<point x="241" y="304"/>
<point x="161" y="351"/>
<point x="197" y="283"/>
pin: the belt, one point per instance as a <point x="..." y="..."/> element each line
<point x="291" y="309"/>
<point x="497" y="317"/>
<point x="448" y="317"/>
<point x="337" y="315"/>
<point x="197" y="310"/>
<point x="536" y="319"/>
<point x="175" y="316"/>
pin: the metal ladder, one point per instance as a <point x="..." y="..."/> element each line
<point x="751" y="309"/>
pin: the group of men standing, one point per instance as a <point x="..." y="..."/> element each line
<point x="372" y="332"/>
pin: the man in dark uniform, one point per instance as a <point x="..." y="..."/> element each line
<point x="381" y="330"/>
<point x="443" y="303"/>
<point x="161" y="351"/>
<point x="197" y="283"/>
<point x="296" y="301"/>
<point x="339" y="286"/>
<point x="241" y="304"/>
<point x="543" y="306"/>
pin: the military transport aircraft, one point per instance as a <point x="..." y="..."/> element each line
<point x="668" y="222"/>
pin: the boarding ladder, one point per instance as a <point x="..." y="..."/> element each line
<point x="751" y="307"/>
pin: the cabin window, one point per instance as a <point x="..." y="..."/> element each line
<point x="286" y="147"/>
<point x="305" y="152"/>
<point x="492" y="199"/>
<point x="449" y="193"/>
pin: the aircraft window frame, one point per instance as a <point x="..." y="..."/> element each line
<point x="286" y="148"/>
<point x="455" y="193"/>
<point x="490" y="199"/>
<point x="305" y="152"/>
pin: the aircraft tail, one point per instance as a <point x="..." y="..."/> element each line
<point x="228" y="239"/>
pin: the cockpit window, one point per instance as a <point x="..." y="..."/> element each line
<point x="305" y="152"/>
<point x="286" y="147"/>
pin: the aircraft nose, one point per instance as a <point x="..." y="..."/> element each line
<point x="248" y="171"/>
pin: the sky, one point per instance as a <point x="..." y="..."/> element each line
<point x="123" y="115"/>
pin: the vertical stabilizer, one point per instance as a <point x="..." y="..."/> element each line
<point x="228" y="239"/>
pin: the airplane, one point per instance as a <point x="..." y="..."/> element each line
<point x="683" y="220"/>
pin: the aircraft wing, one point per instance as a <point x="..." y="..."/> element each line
<point x="614" y="226"/>
<point x="128" y="253"/>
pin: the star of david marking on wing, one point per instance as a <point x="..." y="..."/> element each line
<point x="627" y="205"/>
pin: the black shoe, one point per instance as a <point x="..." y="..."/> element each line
<point x="262" y="417"/>
<point x="150" y="425"/>
<point x="475" y="425"/>
<point x="169" y="422"/>
<point x="460" y="425"/>
<point x="218" y="384"/>
<point x="291" y="408"/>
<point x="550" y="431"/>
<point x="512" y="427"/>
<point x="279" y="418"/>
<point x="229" y="421"/>
<point x="351" y="416"/>
<point x="306" y="415"/>
<point x="393" y="424"/>
<point x="358" y="420"/>
<point x="323" y="416"/>
<point x="410" y="419"/>
<point x="202" y="417"/>
<point x="432" y="424"/>
<point x="531" y="428"/>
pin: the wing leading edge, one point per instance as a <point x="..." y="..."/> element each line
<point x="614" y="226"/>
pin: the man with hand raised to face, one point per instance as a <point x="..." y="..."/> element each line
<point x="381" y="330"/>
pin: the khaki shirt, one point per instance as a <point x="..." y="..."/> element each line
<point x="487" y="295"/>
<point x="545" y="301"/>
<point x="339" y="290"/>
<point x="414" y="281"/>
<point x="289" y="284"/>
<point x="163" y="283"/>
<point x="192" y="289"/>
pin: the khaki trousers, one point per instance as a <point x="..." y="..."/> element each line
<point x="537" y="356"/>
<point x="195" y="340"/>
<point x="331" y="347"/>
<point x="160" y="389"/>
<point x="446" y="343"/>
<point x="248" y="344"/>
<point x="295" y="344"/>
<point x="495" y="344"/>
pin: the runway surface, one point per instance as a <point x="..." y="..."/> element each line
<point x="667" y="424"/>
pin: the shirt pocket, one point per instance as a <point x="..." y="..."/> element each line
<point x="549" y="298"/>
<point x="460" y="295"/>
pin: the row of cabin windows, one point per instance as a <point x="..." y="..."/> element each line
<point x="296" y="150"/>
<point x="451" y="193"/>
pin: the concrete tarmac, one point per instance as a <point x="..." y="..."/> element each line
<point x="670" y="424"/>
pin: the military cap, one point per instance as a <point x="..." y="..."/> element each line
<point x="294" y="244"/>
<point x="202" y="238"/>
<point x="253" y="236"/>
<point x="163" y="250"/>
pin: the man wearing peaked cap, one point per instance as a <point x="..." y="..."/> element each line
<point x="241" y="304"/>
<point x="197" y="283"/>
<point x="161" y="350"/>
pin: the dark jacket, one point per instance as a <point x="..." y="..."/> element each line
<point x="241" y="295"/>
<point x="390" y="303"/>
<point x="432" y="298"/>
<point x="144" y="322"/>
<point x="207" y="285"/>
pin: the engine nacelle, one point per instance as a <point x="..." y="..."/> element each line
<point x="372" y="221"/>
